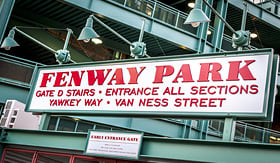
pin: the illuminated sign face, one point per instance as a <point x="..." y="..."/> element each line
<point x="206" y="86"/>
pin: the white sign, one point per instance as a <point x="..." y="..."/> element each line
<point x="219" y="84"/>
<point x="114" y="144"/>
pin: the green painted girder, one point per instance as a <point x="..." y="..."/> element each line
<point x="258" y="12"/>
<point x="116" y="12"/>
<point x="10" y="91"/>
<point x="152" y="126"/>
<point x="154" y="147"/>
<point x="6" y="7"/>
<point x="219" y="25"/>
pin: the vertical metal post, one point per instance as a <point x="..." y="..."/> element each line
<point x="154" y="9"/>
<point x="201" y="126"/>
<point x="124" y="3"/>
<point x="263" y="135"/>
<point x="229" y="129"/>
<point x="184" y="129"/>
<point x="206" y="129"/>
<point x="57" y="124"/>
<point x="276" y="9"/>
<point x="230" y="124"/>
<point x="202" y="31"/>
<point x="1" y="110"/>
<point x="5" y="11"/>
<point x="76" y="126"/>
<point x="243" y="23"/>
<point x="245" y="132"/>
<point x="69" y="32"/>
<point x="142" y="30"/>
<point x="190" y="128"/>
<point x="177" y="19"/>
<point x="45" y="119"/>
<point x="219" y="25"/>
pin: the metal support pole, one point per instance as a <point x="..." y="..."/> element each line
<point x="45" y="119"/>
<point x="229" y="129"/>
<point x="244" y="16"/>
<point x="223" y="20"/>
<point x="201" y="128"/>
<point x="190" y="128"/>
<point x="243" y="23"/>
<point x="142" y="31"/>
<point x="184" y="129"/>
<point x="33" y="39"/>
<point x="263" y="134"/>
<point x="206" y="129"/>
<point x="219" y="25"/>
<point x="245" y="132"/>
<point x="57" y="123"/>
<point x="69" y="32"/>
<point x="154" y="9"/>
<point x="76" y="126"/>
<point x="110" y="29"/>
<point x="202" y="31"/>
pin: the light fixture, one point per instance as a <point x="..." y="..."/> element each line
<point x="253" y="35"/>
<point x="96" y="41"/>
<point x="76" y="119"/>
<point x="197" y="16"/>
<point x="209" y="32"/>
<point x="137" y="49"/>
<point x="9" y="41"/>
<point x="239" y="38"/>
<point x="273" y="137"/>
<point x="87" y="32"/>
<point x="191" y="4"/>
<point x="62" y="55"/>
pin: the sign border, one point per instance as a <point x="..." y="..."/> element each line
<point x="114" y="156"/>
<point x="268" y="97"/>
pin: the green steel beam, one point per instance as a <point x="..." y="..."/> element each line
<point x="6" y="8"/>
<point x="109" y="8"/>
<point x="210" y="151"/>
<point x="152" y="126"/>
<point x="219" y="25"/>
<point x="257" y="11"/>
<point x="155" y="147"/>
<point x="12" y="92"/>
<point x="229" y="129"/>
<point x="202" y="31"/>
<point x="189" y="130"/>
<point x="44" y="122"/>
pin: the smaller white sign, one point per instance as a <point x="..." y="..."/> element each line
<point x="114" y="144"/>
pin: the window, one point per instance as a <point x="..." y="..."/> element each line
<point x="66" y="125"/>
<point x="52" y="123"/>
<point x="101" y="127"/>
<point x="84" y="127"/>
<point x="16" y="72"/>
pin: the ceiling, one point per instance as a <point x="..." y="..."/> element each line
<point x="55" y="14"/>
